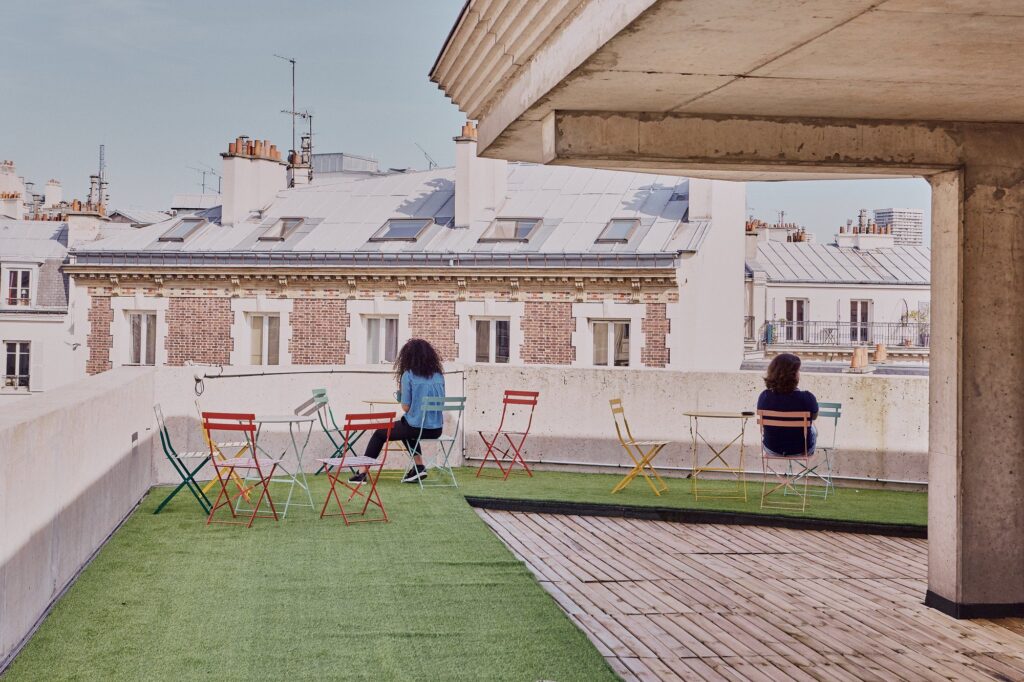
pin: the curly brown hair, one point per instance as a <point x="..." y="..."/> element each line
<point x="783" y="373"/>
<point x="418" y="357"/>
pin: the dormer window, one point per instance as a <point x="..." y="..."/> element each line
<point x="18" y="287"/>
<point x="401" y="230"/>
<point x="281" y="230"/>
<point x="618" y="231"/>
<point x="182" y="230"/>
<point x="511" y="230"/>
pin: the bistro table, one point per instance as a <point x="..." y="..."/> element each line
<point x="716" y="464"/>
<point x="295" y="424"/>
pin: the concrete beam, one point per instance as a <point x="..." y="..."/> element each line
<point x="753" y="148"/>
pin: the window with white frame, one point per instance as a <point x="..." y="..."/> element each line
<point x="611" y="342"/>
<point x="142" y="330"/>
<point x="265" y="339"/>
<point x="381" y="339"/>
<point x="618" y="231"/>
<point x="280" y="230"/>
<point x="18" y="287"/>
<point x="16" y="364"/>
<point x="492" y="340"/>
<point x="511" y="230"/>
<point x="401" y="230"/>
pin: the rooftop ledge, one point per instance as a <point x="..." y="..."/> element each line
<point x="316" y="259"/>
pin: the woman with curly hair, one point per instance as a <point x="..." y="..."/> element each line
<point x="781" y="395"/>
<point x="419" y="374"/>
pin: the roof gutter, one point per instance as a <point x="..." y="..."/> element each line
<point x="363" y="259"/>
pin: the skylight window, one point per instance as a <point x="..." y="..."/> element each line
<point x="280" y="230"/>
<point x="401" y="230"/>
<point x="617" y="231"/>
<point x="511" y="230"/>
<point x="182" y="230"/>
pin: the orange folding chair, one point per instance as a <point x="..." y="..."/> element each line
<point x="512" y="449"/>
<point x="338" y="467"/>
<point x="257" y="470"/>
<point x="787" y="474"/>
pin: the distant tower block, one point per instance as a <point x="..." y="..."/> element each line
<point x="905" y="224"/>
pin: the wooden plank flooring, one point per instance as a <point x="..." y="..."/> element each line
<point x="664" y="601"/>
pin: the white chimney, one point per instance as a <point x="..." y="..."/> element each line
<point x="253" y="175"/>
<point x="699" y="191"/>
<point x="481" y="185"/>
<point x="53" y="194"/>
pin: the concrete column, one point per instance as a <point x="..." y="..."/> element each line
<point x="976" y="433"/>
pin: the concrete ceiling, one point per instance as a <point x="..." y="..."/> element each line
<point x="917" y="60"/>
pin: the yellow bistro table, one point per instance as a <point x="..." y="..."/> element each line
<point x="716" y="464"/>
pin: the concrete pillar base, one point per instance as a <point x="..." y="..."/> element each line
<point x="967" y="611"/>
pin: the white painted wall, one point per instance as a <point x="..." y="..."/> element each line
<point x="831" y="302"/>
<point x="707" y="323"/>
<point x="52" y="359"/>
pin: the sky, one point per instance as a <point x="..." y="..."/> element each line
<point x="166" y="85"/>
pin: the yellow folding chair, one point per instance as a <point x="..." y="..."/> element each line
<point x="642" y="452"/>
<point x="215" y="449"/>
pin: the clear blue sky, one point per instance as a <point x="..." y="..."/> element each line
<point x="166" y="85"/>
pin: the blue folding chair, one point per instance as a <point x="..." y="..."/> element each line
<point x="446" y="444"/>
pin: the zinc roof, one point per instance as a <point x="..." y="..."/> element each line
<point x="808" y="262"/>
<point x="342" y="214"/>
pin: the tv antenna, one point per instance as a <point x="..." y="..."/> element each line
<point x="294" y="113"/>
<point x="431" y="164"/>
<point x="204" y="172"/>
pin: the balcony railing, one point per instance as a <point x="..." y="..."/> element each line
<point x="822" y="333"/>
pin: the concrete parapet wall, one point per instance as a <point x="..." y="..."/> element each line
<point x="883" y="433"/>
<point x="70" y="472"/>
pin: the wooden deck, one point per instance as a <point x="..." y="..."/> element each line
<point x="676" y="601"/>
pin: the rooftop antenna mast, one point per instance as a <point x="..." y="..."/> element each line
<point x="431" y="164"/>
<point x="102" y="197"/>
<point x="294" y="113"/>
<point x="204" y="172"/>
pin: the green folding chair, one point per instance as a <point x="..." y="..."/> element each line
<point x="823" y="469"/>
<point x="446" y="444"/>
<point x="335" y="434"/>
<point x="183" y="464"/>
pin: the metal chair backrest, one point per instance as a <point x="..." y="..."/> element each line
<point x="323" y="406"/>
<point x="369" y="421"/>
<point x="511" y="397"/>
<point x="308" y="408"/>
<point x="619" y="412"/>
<point x="165" y="435"/>
<point x="444" y="404"/>
<point x="785" y="420"/>
<point x="244" y="422"/>
<point x="831" y="411"/>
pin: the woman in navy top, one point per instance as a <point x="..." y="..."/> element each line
<point x="781" y="395"/>
<point x="419" y="374"/>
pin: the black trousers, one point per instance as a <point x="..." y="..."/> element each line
<point x="400" y="431"/>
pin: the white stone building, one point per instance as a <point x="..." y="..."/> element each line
<point x="492" y="261"/>
<point x="861" y="289"/>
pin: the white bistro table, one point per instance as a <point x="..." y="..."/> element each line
<point x="295" y="424"/>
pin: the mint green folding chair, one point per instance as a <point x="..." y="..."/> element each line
<point x="445" y="443"/>
<point x="335" y="434"/>
<point x="822" y="470"/>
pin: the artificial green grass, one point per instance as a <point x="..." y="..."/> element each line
<point x="848" y="504"/>
<point x="431" y="595"/>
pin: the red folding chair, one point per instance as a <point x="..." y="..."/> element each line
<point x="339" y="467"/>
<point x="513" y="451"/>
<point x="257" y="470"/>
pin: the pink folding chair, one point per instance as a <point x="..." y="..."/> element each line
<point x="257" y="469"/>
<point x="512" y="449"/>
<point x="338" y="467"/>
